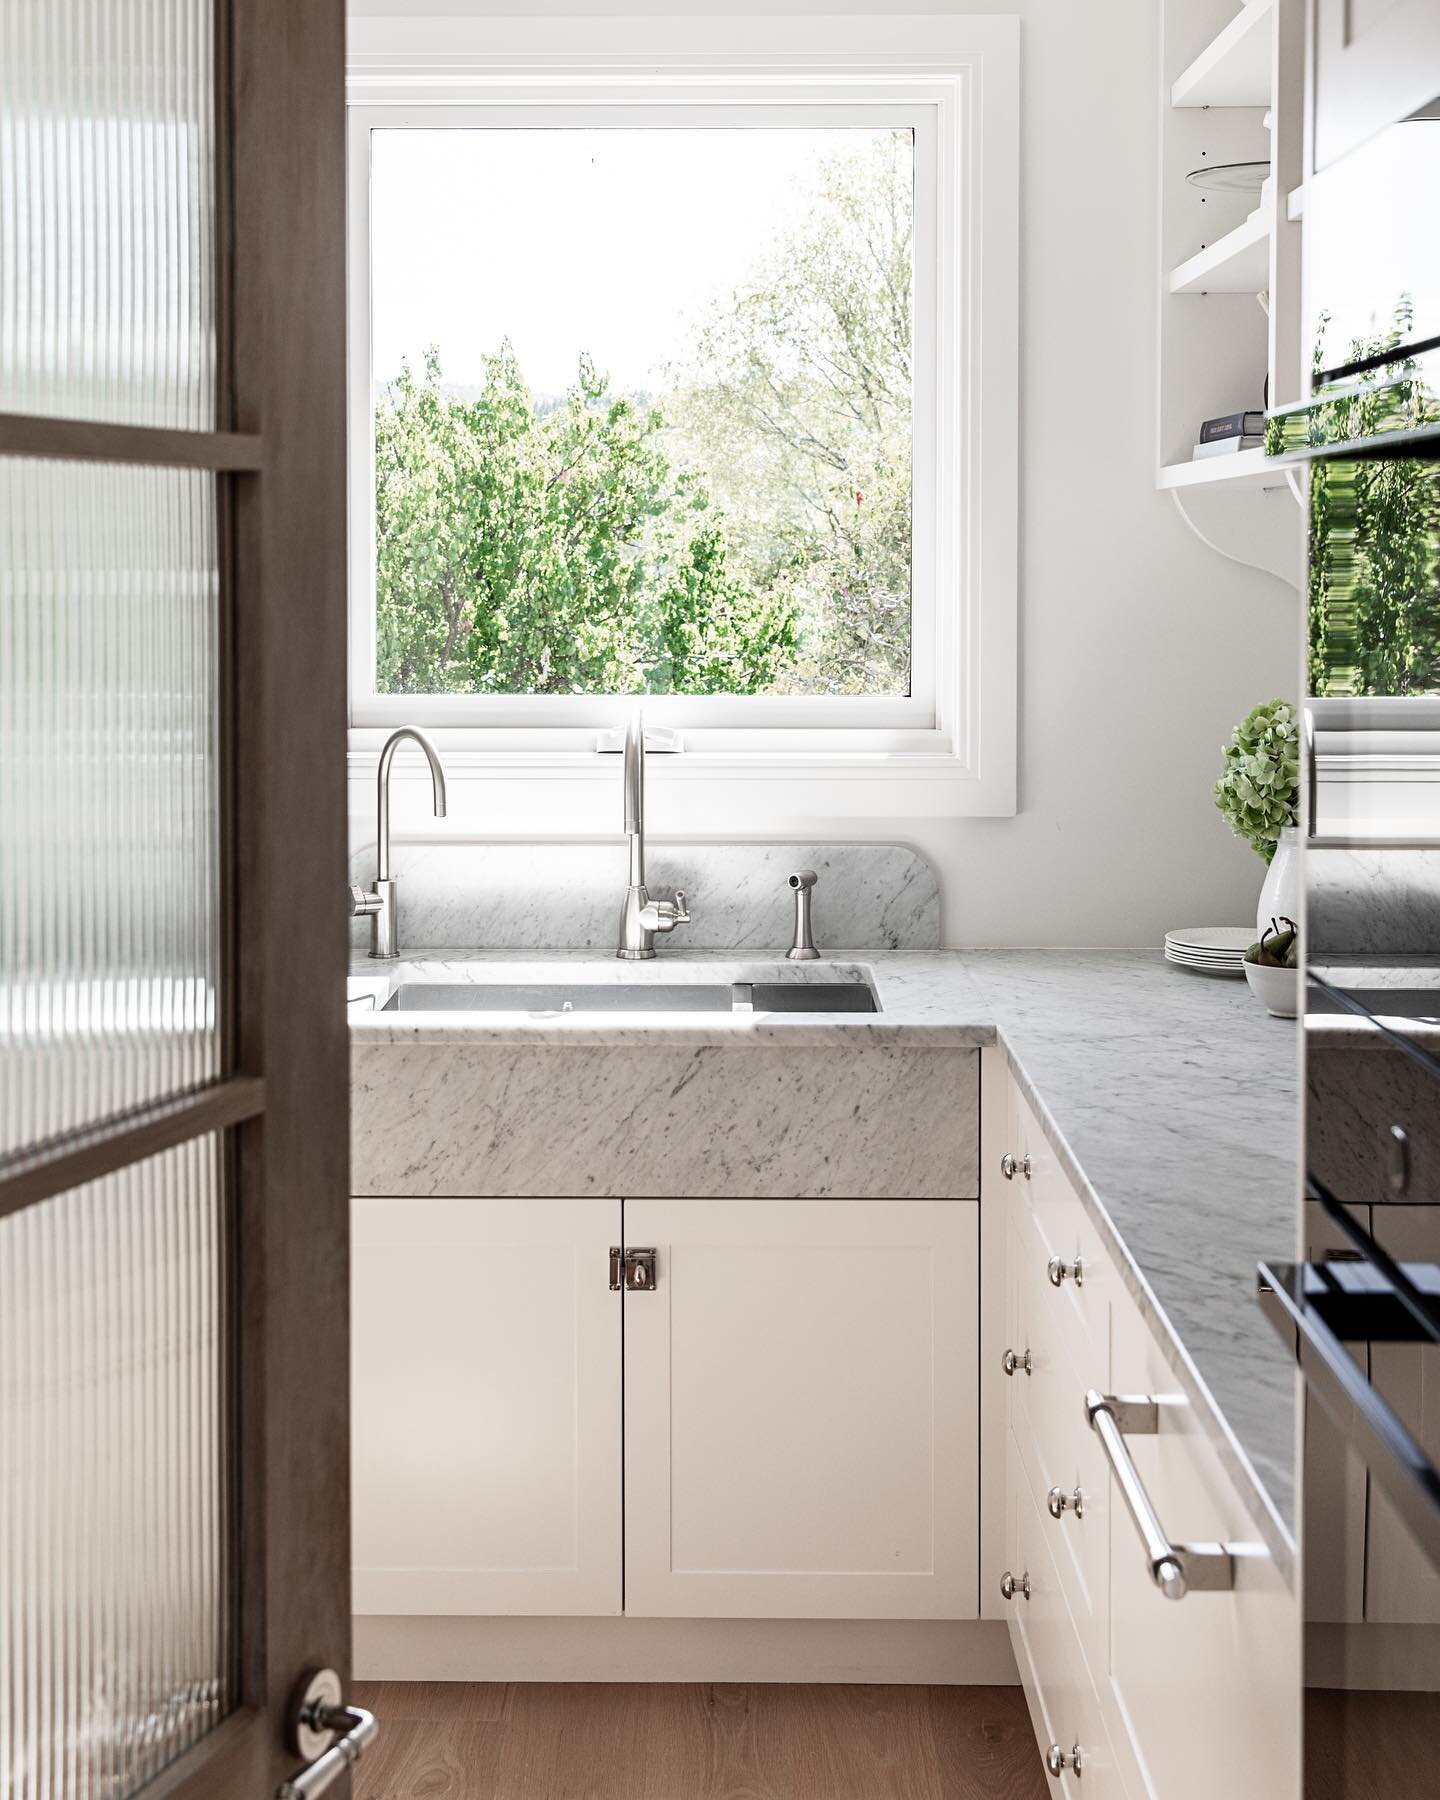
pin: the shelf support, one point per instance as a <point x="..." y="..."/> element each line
<point x="1247" y="527"/>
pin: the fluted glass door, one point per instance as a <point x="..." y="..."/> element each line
<point x="151" y="1530"/>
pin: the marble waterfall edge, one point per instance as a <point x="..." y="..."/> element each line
<point x="567" y="896"/>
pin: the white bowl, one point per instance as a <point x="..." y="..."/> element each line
<point x="1277" y="990"/>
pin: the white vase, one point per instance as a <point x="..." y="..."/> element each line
<point x="1280" y="896"/>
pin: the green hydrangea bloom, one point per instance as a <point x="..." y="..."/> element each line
<point x="1259" y="789"/>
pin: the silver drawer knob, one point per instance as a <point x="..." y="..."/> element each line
<point x="1010" y="1362"/>
<point x="1059" y="1503"/>
<point x="1056" y="1761"/>
<point x="1011" y="1166"/>
<point x="1010" y="1587"/>
<point x="1061" y="1271"/>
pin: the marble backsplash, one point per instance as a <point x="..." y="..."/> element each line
<point x="567" y="896"/>
<point x="1376" y="903"/>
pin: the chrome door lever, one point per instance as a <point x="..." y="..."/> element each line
<point x="329" y="1735"/>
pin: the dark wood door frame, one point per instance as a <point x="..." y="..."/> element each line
<point x="286" y="282"/>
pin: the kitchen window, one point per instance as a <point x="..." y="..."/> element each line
<point x="667" y="385"/>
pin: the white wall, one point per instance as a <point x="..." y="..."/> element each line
<point x="1140" y="648"/>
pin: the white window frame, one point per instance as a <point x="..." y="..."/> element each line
<point x="949" y="747"/>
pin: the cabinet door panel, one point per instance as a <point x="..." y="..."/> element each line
<point x="1401" y="1586"/>
<point x="801" y="1410"/>
<point x="1056" y="1445"/>
<point x="486" y="1422"/>
<point x="1204" y="1690"/>
<point x="1057" y="1678"/>
<point x="1375" y="61"/>
<point x="1334" y="1488"/>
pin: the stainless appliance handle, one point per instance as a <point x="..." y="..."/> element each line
<point x="1312" y="772"/>
<point x="1370" y="1425"/>
<point x="1174" y="1568"/>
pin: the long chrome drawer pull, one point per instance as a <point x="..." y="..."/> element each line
<point x="1174" y="1568"/>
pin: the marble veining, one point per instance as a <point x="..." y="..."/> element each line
<point x="1359" y="1088"/>
<point x="548" y="896"/>
<point x="1372" y="903"/>
<point x="1169" y="1099"/>
<point x="697" y="1120"/>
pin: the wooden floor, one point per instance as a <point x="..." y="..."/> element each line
<point x="634" y="1741"/>
<point x="1370" y="1745"/>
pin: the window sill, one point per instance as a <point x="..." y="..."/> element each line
<point x="539" y="790"/>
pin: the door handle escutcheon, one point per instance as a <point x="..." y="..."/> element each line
<point x="329" y="1735"/>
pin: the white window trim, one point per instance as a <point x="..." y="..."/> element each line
<point x="954" y="78"/>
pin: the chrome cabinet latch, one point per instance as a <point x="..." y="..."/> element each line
<point x="632" y="1270"/>
<point x="329" y="1736"/>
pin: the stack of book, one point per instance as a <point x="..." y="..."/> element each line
<point x="1229" y="434"/>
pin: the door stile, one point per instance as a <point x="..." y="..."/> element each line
<point x="285" y="254"/>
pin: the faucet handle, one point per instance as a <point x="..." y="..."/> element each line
<point x="665" y="915"/>
<point x="362" y="903"/>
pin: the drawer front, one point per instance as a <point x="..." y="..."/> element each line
<point x="1064" y="1706"/>
<point x="1060" y="1230"/>
<point x="1204" y="1691"/>
<point x="1057" y="1447"/>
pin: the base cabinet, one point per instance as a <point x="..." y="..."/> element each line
<point x="1163" y="1699"/>
<point x="486" y="1407"/>
<point x="799" y="1429"/>
<point x="801" y="1410"/>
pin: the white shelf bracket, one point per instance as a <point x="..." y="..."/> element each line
<point x="1255" y="528"/>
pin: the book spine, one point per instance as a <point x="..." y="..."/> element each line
<point x="1240" y="424"/>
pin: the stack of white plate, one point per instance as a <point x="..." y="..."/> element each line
<point x="1218" y="949"/>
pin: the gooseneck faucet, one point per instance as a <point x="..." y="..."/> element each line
<point x="640" y="916"/>
<point x="381" y="904"/>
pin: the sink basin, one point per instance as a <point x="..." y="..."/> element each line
<point x="633" y="996"/>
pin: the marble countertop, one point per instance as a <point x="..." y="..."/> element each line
<point x="1169" y="1097"/>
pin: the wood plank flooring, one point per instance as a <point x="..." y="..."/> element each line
<point x="656" y="1741"/>
<point x="1369" y="1745"/>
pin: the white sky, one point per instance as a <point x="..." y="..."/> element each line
<point x="568" y="240"/>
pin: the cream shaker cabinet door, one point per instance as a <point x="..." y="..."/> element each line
<point x="801" y="1410"/>
<point x="486" y="1406"/>
<point x="1401" y="1585"/>
<point x="1206" y="1688"/>
<point x="1374" y="61"/>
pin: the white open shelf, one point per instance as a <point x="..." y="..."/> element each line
<point x="1238" y="263"/>
<point x="1246" y="468"/>
<point x="1232" y="77"/>
<point x="1234" y="68"/>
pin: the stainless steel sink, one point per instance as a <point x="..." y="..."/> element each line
<point x="633" y="996"/>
